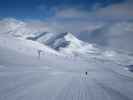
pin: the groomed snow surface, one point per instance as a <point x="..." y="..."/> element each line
<point x="26" y="75"/>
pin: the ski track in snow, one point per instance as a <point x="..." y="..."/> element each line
<point x="56" y="85"/>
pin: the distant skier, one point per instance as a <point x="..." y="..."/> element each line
<point x="39" y="53"/>
<point x="86" y="73"/>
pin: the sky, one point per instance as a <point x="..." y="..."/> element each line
<point x="43" y="9"/>
<point x="91" y="20"/>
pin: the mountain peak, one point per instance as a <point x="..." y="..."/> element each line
<point x="64" y="42"/>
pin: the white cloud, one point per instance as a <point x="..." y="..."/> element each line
<point x="14" y="26"/>
<point x="76" y="20"/>
<point x="122" y="11"/>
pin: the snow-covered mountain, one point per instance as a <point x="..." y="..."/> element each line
<point x="19" y="36"/>
<point x="15" y="30"/>
<point x="24" y="46"/>
<point x="14" y="34"/>
<point x="65" y="43"/>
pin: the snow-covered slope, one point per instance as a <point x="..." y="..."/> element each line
<point x="25" y="77"/>
<point x="25" y="46"/>
<point x="53" y="77"/>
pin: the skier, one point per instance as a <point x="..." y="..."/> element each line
<point x="86" y="73"/>
<point x="39" y="53"/>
